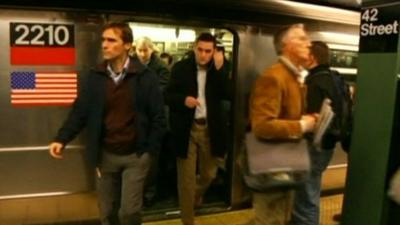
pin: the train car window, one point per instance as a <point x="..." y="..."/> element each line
<point x="344" y="59"/>
<point x="177" y="41"/>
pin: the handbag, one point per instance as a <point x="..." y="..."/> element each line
<point x="272" y="164"/>
<point x="394" y="187"/>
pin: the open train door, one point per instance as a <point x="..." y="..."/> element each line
<point x="161" y="200"/>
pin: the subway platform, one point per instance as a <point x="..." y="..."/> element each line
<point x="40" y="213"/>
<point x="81" y="209"/>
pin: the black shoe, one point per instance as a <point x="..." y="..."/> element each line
<point x="148" y="202"/>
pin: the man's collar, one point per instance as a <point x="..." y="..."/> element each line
<point x="203" y="68"/>
<point x="318" y="68"/>
<point x="124" y="69"/>
<point x="300" y="73"/>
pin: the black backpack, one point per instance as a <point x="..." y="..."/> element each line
<point x="342" y="124"/>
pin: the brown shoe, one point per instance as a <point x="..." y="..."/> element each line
<point x="337" y="217"/>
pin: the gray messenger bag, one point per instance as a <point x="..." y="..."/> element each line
<point x="271" y="165"/>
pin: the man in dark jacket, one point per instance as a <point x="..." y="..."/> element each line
<point x="194" y="95"/>
<point x="320" y="85"/>
<point x="121" y="105"/>
<point x="144" y="52"/>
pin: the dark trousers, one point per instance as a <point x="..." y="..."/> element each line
<point x="120" y="181"/>
<point x="161" y="180"/>
<point x="150" y="188"/>
<point x="307" y="197"/>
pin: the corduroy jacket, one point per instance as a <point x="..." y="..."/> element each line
<point x="277" y="104"/>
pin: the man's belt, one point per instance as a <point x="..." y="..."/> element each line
<point x="201" y="121"/>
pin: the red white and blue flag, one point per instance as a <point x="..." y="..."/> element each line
<point x="43" y="88"/>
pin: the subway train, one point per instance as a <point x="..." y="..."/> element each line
<point x="63" y="37"/>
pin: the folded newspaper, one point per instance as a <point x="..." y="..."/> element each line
<point x="325" y="118"/>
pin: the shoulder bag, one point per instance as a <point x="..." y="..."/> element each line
<point x="272" y="164"/>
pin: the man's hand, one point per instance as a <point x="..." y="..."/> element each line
<point x="191" y="102"/>
<point x="56" y="150"/>
<point x="218" y="59"/>
<point x="308" y="122"/>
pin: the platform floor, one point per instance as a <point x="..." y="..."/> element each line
<point x="81" y="209"/>
<point x="330" y="206"/>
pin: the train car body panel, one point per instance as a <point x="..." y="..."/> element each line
<point x="29" y="128"/>
<point x="28" y="170"/>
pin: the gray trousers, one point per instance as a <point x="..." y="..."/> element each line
<point x="120" y="181"/>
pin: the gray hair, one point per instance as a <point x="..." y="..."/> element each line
<point x="145" y="41"/>
<point x="281" y="34"/>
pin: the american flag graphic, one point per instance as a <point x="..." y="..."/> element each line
<point x="43" y="88"/>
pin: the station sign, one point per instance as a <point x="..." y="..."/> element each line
<point x="42" y="44"/>
<point x="379" y="30"/>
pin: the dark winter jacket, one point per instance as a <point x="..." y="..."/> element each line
<point x="320" y="85"/>
<point x="89" y="108"/>
<point x="183" y="83"/>
<point x="159" y="67"/>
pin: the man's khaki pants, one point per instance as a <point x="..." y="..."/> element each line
<point x="188" y="189"/>
<point x="272" y="208"/>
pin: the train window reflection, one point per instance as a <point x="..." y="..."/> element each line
<point x="178" y="40"/>
<point x="343" y="58"/>
<point x="160" y="193"/>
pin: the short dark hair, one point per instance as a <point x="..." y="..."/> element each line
<point x="206" y="37"/>
<point x="280" y="35"/>
<point x="168" y="56"/>
<point x="126" y="31"/>
<point x="320" y="51"/>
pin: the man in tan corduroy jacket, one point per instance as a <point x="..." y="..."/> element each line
<point x="276" y="112"/>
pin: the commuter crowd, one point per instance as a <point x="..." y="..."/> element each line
<point x="141" y="109"/>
